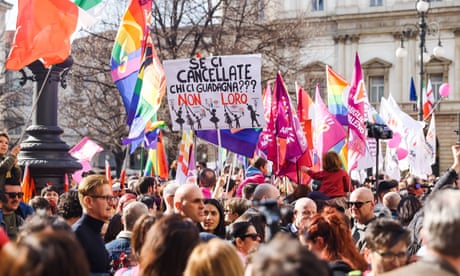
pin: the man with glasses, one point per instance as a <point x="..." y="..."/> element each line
<point x="10" y="217"/>
<point x="441" y="228"/>
<point x="304" y="208"/>
<point x="386" y="245"/>
<point x="96" y="199"/>
<point x="361" y="206"/>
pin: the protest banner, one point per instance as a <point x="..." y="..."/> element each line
<point x="218" y="92"/>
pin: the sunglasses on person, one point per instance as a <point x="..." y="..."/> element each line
<point x="253" y="236"/>
<point x="357" y="204"/>
<point x="14" y="195"/>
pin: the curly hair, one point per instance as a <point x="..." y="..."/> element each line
<point x="69" y="205"/>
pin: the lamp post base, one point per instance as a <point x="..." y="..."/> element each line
<point x="47" y="156"/>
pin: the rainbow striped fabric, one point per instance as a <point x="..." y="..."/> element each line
<point x="128" y="51"/>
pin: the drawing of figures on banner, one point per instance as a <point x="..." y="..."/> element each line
<point x="219" y="92"/>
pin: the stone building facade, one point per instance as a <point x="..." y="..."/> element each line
<point x="374" y="29"/>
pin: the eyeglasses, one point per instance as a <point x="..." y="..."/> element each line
<point x="358" y="204"/>
<point x="109" y="199"/>
<point x="388" y="256"/>
<point x="14" y="195"/>
<point x="253" y="236"/>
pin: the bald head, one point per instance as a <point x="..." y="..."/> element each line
<point x="304" y="208"/>
<point x="362" y="205"/>
<point x="189" y="202"/>
<point x="265" y="191"/>
<point x="391" y="200"/>
<point x="304" y="202"/>
<point x="362" y="193"/>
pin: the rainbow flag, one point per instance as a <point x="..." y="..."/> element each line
<point x="128" y="50"/>
<point x="186" y="160"/>
<point x="157" y="162"/>
<point x="148" y="92"/>
<point x="336" y="85"/>
<point x="336" y="93"/>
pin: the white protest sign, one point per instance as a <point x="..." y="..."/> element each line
<point x="218" y="92"/>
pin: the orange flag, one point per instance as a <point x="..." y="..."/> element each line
<point x="122" y="180"/>
<point x="43" y="30"/>
<point x="162" y="159"/>
<point x="27" y="185"/>
<point x="66" y="182"/>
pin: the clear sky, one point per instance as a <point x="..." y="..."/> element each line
<point x="11" y="15"/>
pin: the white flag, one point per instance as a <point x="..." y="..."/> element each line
<point x="431" y="141"/>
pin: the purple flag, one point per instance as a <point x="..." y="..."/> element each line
<point x="243" y="141"/>
<point x="290" y="139"/>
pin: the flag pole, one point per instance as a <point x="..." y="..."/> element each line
<point x="434" y="107"/>
<point x="297" y="162"/>
<point x="232" y="165"/>
<point x="219" y="146"/>
<point x="141" y="169"/>
<point x="124" y="166"/>
<point x="34" y="106"/>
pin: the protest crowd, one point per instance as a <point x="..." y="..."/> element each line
<point x="236" y="222"/>
<point x="281" y="213"/>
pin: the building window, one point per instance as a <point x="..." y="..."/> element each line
<point x="436" y="81"/>
<point x="314" y="75"/>
<point x="375" y="3"/>
<point x="376" y="88"/>
<point x="317" y="5"/>
<point x="376" y="75"/>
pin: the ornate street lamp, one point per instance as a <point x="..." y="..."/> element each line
<point x="422" y="10"/>
<point x="423" y="28"/>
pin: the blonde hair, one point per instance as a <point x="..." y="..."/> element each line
<point x="89" y="184"/>
<point x="215" y="257"/>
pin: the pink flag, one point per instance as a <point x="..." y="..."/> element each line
<point x="85" y="149"/>
<point x="84" y="152"/>
<point x="328" y="131"/>
<point x="304" y="110"/>
<point x="266" y="136"/>
<point x="356" y="125"/>
<point x="290" y="137"/>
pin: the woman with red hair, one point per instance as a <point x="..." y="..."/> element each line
<point x="328" y="235"/>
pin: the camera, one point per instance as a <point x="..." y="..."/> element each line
<point x="378" y="131"/>
<point x="272" y="215"/>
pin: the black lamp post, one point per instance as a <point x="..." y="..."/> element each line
<point x="43" y="151"/>
<point x="422" y="10"/>
<point x="423" y="28"/>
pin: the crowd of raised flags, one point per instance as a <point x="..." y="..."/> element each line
<point x="291" y="138"/>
